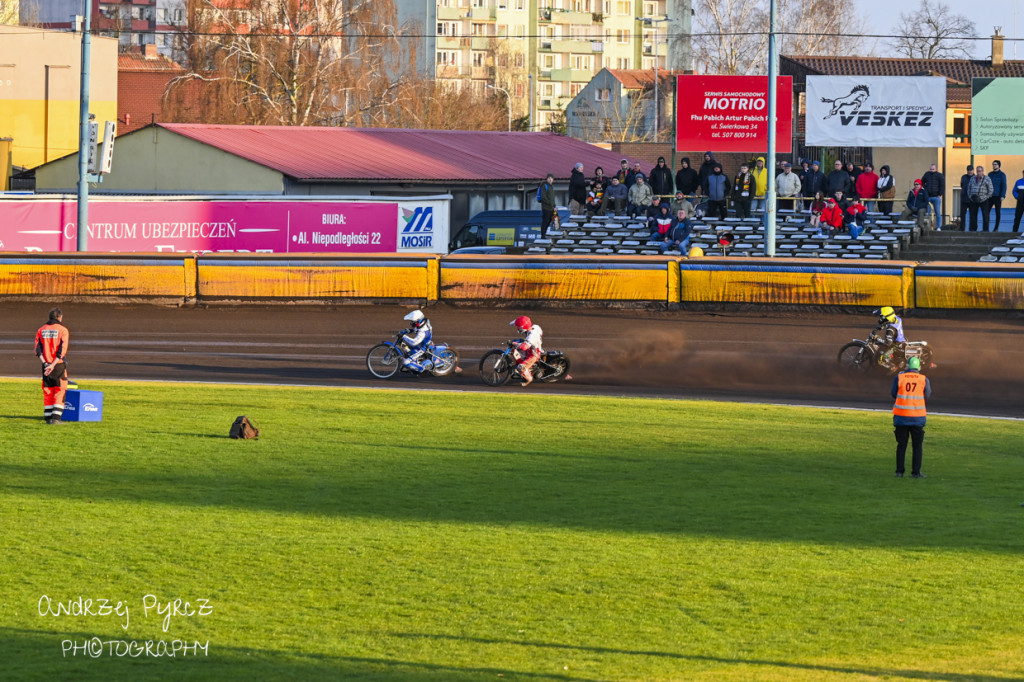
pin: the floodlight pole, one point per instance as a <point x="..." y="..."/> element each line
<point x="83" y="134"/>
<point x="657" y="113"/>
<point x="769" y="195"/>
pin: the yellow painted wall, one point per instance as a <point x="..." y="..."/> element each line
<point x="39" y="99"/>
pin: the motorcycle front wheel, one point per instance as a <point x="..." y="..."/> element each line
<point x="559" y="370"/>
<point x="495" y="368"/>
<point x="445" y="362"/>
<point x="383" y="361"/>
<point x="856" y="357"/>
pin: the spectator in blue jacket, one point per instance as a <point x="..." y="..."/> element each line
<point x="679" y="233"/>
<point x="716" y="189"/>
<point x="615" y="197"/>
<point x="934" y="183"/>
<point x="998" y="178"/>
<point x="812" y="183"/>
<point x="917" y="205"/>
<point x="1018" y="194"/>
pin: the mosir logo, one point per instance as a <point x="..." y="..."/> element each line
<point x="848" y="108"/>
<point x="418" y="231"/>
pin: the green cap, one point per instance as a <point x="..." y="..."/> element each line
<point x="914" y="363"/>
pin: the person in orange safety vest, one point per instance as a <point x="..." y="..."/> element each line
<point x="909" y="389"/>
<point x="52" y="349"/>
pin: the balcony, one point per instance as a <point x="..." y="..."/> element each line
<point x="572" y="18"/>
<point x="448" y="42"/>
<point x="451" y="13"/>
<point x="483" y="13"/>
<point x="482" y="72"/>
<point x="576" y="75"/>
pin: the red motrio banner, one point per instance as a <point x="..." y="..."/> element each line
<point x="226" y="226"/>
<point x="730" y="113"/>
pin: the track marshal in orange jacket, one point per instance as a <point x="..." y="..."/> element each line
<point x="910" y="388"/>
<point x="52" y="349"/>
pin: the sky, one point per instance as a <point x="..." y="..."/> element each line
<point x="883" y="15"/>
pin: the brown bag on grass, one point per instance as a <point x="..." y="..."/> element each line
<point x="243" y="428"/>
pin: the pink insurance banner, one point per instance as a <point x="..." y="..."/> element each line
<point x="730" y="113"/>
<point x="200" y="226"/>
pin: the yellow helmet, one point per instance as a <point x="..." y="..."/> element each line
<point x="886" y="314"/>
<point x="696" y="252"/>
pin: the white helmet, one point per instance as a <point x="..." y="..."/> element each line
<point x="416" y="318"/>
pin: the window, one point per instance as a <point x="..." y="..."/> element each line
<point x="622" y="36"/>
<point x="447" y="58"/>
<point x="574" y="88"/>
<point x="520" y="90"/>
<point x="603" y="95"/>
<point x="479" y="3"/>
<point x="520" y="60"/>
<point x="581" y="62"/>
<point x="520" y="5"/>
<point x="548" y="90"/>
<point x="622" y="63"/>
<point x="650" y="9"/>
<point x="479" y="29"/>
<point x="478" y="58"/>
<point x="623" y="7"/>
<point x="520" y="32"/>
<point x="548" y="61"/>
<point x="961" y="128"/>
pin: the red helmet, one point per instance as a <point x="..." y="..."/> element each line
<point x="522" y="323"/>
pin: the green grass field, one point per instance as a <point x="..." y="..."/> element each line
<point x="399" y="535"/>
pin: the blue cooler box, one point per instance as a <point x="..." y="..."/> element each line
<point x="83" y="406"/>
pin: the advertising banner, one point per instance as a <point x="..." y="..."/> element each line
<point x="997" y="116"/>
<point x="730" y="113"/>
<point x="863" y="111"/>
<point x="228" y="226"/>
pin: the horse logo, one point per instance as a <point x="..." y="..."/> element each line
<point x="854" y="99"/>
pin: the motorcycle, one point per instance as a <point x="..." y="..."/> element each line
<point x="385" y="359"/>
<point x="499" y="366"/>
<point x="880" y="350"/>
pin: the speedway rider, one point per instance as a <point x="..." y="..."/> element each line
<point x="530" y="349"/>
<point x="891" y="327"/>
<point x="417" y="340"/>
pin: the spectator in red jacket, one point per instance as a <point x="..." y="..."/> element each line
<point x="832" y="216"/>
<point x="854" y="217"/>
<point x="866" y="186"/>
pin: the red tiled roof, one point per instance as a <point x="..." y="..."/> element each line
<point x="637" y="79"/>
<point x="956" y="71"/>
<point x="135" y="62"/>
<point x="388" y="154"/>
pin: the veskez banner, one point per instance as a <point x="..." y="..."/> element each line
<point x="730" y="113"/>
<point x="861" y="111"/>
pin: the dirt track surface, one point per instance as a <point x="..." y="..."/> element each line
<point x="744" y="356"/>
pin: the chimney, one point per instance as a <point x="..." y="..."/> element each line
<point x="149" y="51"/>
<point x="997" y="49"/>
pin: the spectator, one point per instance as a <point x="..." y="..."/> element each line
<point x="706" y="169"/>
<point x="817" y="206"/>
<point x="716" y="189"/>
<point x="886" y="190"/>
<point x="979" y="191"/>
<point x="813" y="183"/>
<point x="1018" y="194"/>
<point x="842" y="202"/>
<point x="577" y="190"/>
<point x="599" y="181"/>
<point x="998" y="178"/>
<point x="852" y="171"/>
<point x="831" y="216"/>
<point x="760" y="174"/>
<point x="687" y="180"/>
<point x="681" y="202"/>
<point x="838" y="181"/>
<point x="661" y="179"/>
<point x="866" y="186"/>
<point x="917" y="205"/>
<point x="661" y="224"/>
<point x="934" y="183"/>
<point x="744" y="186"/>
<point x="909" y="415"/>
<point x="679" y="233"/>
<point x="595" y="195"/>
<point x="655" y="207"/>
<point x="787" y="185"/>
<point x="623" y="171"/>
<point x="805" y="168"/>
<point x="640" y="195"/>
<point x="616" y="197"/>
<point x="854" y="218"/>
<point x="965" y="182"/>
<point x="547" y="204"/>
<point x="633" y="174"/>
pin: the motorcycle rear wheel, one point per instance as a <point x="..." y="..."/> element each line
<point x="445" y="362"/>
<point x="495" y="368"/>
<point x="559" y="370"/>
<point x="383" y="361"/>
<point x="856" y="357"/>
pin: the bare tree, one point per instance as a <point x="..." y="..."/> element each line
<point x="8" y="11"/>
<point x="934" y="32"/>
<point x="731" y="36"/>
